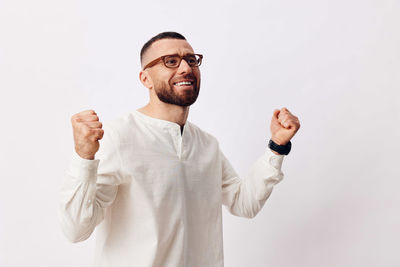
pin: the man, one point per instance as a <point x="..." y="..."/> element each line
<point x="155" y="185"/>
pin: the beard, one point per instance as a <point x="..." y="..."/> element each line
<point x="184" y="98"/>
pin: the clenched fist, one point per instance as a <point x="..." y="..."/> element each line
<point x="87" y="131"/>
<point x="284" y="126"/>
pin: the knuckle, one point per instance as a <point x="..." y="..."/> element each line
<point x="101" y="134"/>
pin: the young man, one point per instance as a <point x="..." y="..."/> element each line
<point x="156" y="183"/>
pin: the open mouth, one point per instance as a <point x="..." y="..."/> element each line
<point x="184" y="83"/>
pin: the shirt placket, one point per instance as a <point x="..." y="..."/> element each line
<point x="177" y="138"/>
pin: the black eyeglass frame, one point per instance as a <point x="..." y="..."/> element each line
<point x="185" y="57"/>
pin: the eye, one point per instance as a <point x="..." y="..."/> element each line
<point x="191" y="60"/>
<point x="171" y="61"/>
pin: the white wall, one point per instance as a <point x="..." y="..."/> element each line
<point x="335" y="64"/>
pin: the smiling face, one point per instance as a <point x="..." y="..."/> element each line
<point x="177" y="86"/>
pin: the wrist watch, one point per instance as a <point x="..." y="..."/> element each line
<point x="283" y="150"/>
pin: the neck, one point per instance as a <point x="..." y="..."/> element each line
<point x="168" y="112"/>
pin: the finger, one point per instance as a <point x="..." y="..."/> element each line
<point x="94" y="124"/>
<point x="292" y="123"/>
<point x="100" y="134"/>
<point x="286" y="111"/>
<point x="83" y="113"/>
<point x="276" y="114"/>
<point x="295" y="123"/>
<point x="285" y="124"/>
<point x="95" y="134"/>
<point x="77" y="119"/>
<point x="282" y="113"/>
<point x="285" y="119"/>
<point x="282" y="117"/>
<point x="289" y="123"/>
<point x="88" y="112"/>
<point x="88" y="118"/>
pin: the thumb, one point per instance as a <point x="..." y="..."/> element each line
<point x="275" y="116"/>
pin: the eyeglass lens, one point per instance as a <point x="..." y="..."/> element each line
<point x="174" y="60"/>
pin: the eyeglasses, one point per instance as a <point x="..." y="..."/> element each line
<point x="173" y="61"/>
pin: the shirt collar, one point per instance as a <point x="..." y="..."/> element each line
<point x="158" y="122"/>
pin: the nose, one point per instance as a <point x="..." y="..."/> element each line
<point x="184" y="67"/>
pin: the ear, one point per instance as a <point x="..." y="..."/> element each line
<point x="145" y="79"/>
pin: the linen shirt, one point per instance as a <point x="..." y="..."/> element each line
<point x="156" y="194"/>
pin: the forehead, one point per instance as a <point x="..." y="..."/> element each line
<point x="167" y="47"/>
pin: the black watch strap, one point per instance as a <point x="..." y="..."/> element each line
<point x="283" y="150"/>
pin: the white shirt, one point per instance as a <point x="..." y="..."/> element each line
<point x="157" y="195"/>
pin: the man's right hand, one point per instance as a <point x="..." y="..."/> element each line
<point x="87" y="132"/>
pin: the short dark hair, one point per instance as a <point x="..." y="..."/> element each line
<point x="163" y="35"/>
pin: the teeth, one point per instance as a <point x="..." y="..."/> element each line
<point x="183" y="83"/>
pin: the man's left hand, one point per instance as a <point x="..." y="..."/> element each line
<point x="284" y="126"/>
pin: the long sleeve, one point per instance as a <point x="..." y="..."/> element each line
<point x="246" y="197"/>
<point x="90" y="186"/>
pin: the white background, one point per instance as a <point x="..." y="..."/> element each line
<point x="335" y="64"/>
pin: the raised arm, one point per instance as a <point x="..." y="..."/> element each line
<point x="246" y="197"/>
<point x="91" y="184"/>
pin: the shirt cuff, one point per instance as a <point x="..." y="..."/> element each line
<point x="81" y="168"/>
<point x="273" y="159"/>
